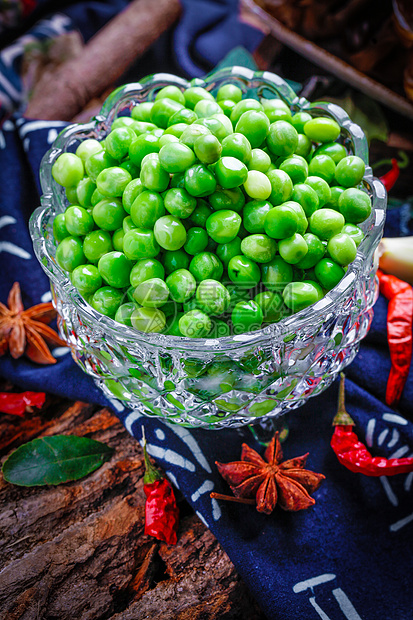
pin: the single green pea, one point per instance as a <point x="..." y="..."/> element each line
<point x="152" y="293"/>
<point x="224" y="199"/>
<point x="271" y="305"/>
<point x="230" y="172"/>
<point x="117" y="142"/>
<point x="148" y="320"/>
<point x="281" y="222"/>
<point x="299" y="120"/>
<point x="354" y="232"/>
<point x="281" y="187"/>
<point x="244" y="106"/>
<point x="87" y="279"/>
<point x="316" y="251"/>
<point x="115" y="268"/>
<point x="229" y="91"/>
<point x="167" y="139"/>
<point x="84" y="192"/>
<point x="171" y="92"/>
<point x="208" y="149"/>
<point x="254" y="125"/>
<point x="293" y="249"/>
<point x="325" y="223"/>
<point x="335" y="194"/>
<point x="163" y="109"/>
<point x="300" y="213"/>
<point x="87" y="148"/>
<point x="226" y="251"/>
<point x="296" y="167"/>
<point x="140" y="243"/>
<point x="350" y="171"/>
<point x="128" y="224"/>
<point x="238" y="146"/>
<point x="276" y="274"/>
<point x="322" y="166"/>
<point x="300" y="295"/>
<point x="146" y="269"/>
<point x="153" y="175"/>
<point x="282" y="139"/>
<point x="117" y="239"/>
<point x="276" y="110"/>
<point x="71" y="195"/>
<point x="141" y="146"/>
<point x="124" y="313"/>
<point x="322" y="129"/>
<point x="244" y="271"/>
<point x="260" y="160"/>
<point x="68" y="169"/>
<point x="205" y="108"/>
<point x="98" y="162"/>
<point x="195" y="324"/>
<point x="342" y="249"/>
<point x="322" y="189"/>
<point x="181" y="284"/>
<point x="109" y="213"/>
<point x="173" y="260"/>
<point x="254" y="214"/>
<point x="130" y="193"/>
<point x="355" y="205"/>
<point x="196" y="240"/>
<point x="227" y="105"/>
<point x="96" y="244"/>
<point x="328" y="273"/>
<point x="112" y="182"/>
<point x="96" y="197"/>
<point x="176" y="157"/>
<point x="335" y="150"/>
<point x="142" y="111"/>
<point x="246" y="317"/>
<point x="307" y="197"/>
<point x="304" y="146"/>
<point x="176" y="130"/>
<point x="224" y="120"/>
<point x="179" y="202"/>
<point x="184" y="115"/>
<point x="69" y="253"/>
<point x="215" y="126"/>
<point x="60" y="231"/>
<point x="212" y="297"/>
<point x="259" y="248"/>
<point x="206" y="265"/>
<point x="223" y="226"/>
<point x="199" y="181"/>
<point x="191" y="134"/>
<point x="200" y="214"/>
<point x="107" y="300"/>
<point x="257" y="185"/>
<point x="169" y="232"/>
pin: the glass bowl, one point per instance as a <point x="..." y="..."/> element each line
<point x="229" y="381"/>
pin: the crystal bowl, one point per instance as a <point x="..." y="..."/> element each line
<point x="229" y="381"/>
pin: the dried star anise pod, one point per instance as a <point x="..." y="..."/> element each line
<point x="270" y="481"/>
<point x="26" y="331"/>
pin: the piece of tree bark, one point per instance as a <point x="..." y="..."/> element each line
<point x="64" y="93"/>
<point x="78" y="550"/>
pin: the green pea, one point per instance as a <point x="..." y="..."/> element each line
<point x="200" y="214"/>
<point x="300" y="295"/>
<point x="260" y="248"/>
<point x="195" y="324"/>
<point x="282" y="139"/>
<point x="111" y="182"/>
<point x="342" y="249"/>
<point x="322" y="129"/>
<point x="307" y="197"/>
<point x="333" y="149"/>
<point x="257" y="185"/>
<point x="71" y="195"/>
<point x="350" y="171"/>
<point x="179" y="202"/>
<point x="296" y="167"/>
<point x="142" y="111"/>
<point x="68" y="169"/>
<point x="276" y="110"/>
<point x="141" y="146"/>
<point x="325" y="223"/>
<point x="196" y="240"/>
<point x="300" y="213"/>
<point x="175" y="259"/>
<point x="223" y="226"/>
<point x="115" y="268"/>
<point x="96" y="244"/>
<point x="69" y="253"/>
<point x="212" y="297"/>
<point x="109" y="213"/>
<point x="244" y="271"/>
<point x="148" y="320"/>
<point x="246" y="317"/>
<point x="322" y="166"/>
<point x="182" y="116"/>
<point x="229" y="91"/>
<point x="163" y="109"/>
<point x="254" y="214"/>
<point x="167" y="139"/>
<point x="238" y="146"/>
<point x="98" y="162"/>
<point x="322" y="189"/>
<point x="176" y="157"/>
<point x="281" y="187"/>
<point x="335" y="194"/>
<point x="87" y="148"/>
<point x="271" y="305"/>
<point x="181" y="284"/>
<point x="152" y="293"/>
<point x="224" y="199"/>
<point x="304" y="146"/>
<point x="86" y="279"/>
<point x="226" y="251"/>
<point x="118" y="140"/>
<point x="131" y="192"/>
<point x="59" y="227"/>
<point x="153" y="175"/>
<point x="227" y="105"/>
<point x="171" y="92"/>
<point x="208" y="149"/>
<point x="354" y="232"/>
<point x="276" y="274"/>
<point x="254" y="125"/>
<point x="281" y="222"/>
<point x="244" y="106"/>
<point x="299" y="120"/>
<point x="230" y="172"/>
<point x="191" y="134"/>
<point x="140" y="243"/>
<point x="169" y="232"/>
<point x="107" y="300"/>
<point x="176" y="130"/>
<point x="206" y="265"/>
<point x="355" y="205"/>
<point x="316" y="251"/>
<point x="199" y="181"/>
<point x="293" y="249"/>
<point x="117" y="239"/>
<point x="260" y="160"/>
<point x="328" y="273"/>
<point x="146" y="269"/>
<point x="84" y="192"/>
<point x="124" y="313"/>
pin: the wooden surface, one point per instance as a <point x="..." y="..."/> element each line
<point x="78" y="550"/>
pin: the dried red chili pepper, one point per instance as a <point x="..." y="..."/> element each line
<point x="399" y="332"/>
<point x="161" y="511"/>
<point x="390" y="178"/>
<point x="353" y="454"/>
<point x="19" y="404"/>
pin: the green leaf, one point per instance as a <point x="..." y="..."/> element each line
<point x="53" y="460"/>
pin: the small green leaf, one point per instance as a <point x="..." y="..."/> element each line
<point x="53" y="460"/>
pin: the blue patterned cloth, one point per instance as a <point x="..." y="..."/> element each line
<point x="349" y="556"/>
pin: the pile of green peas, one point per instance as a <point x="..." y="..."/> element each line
<point x="206" y="217"/>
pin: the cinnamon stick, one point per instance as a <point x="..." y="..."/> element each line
<point x="105" y="58"/>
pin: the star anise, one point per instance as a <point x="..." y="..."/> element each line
<point x="26" y="331"/>
<point x="270" y="481"/>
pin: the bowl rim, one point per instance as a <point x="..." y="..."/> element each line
<point x="245" y="78"/>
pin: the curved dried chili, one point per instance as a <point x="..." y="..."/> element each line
<point x="19" y="404"/>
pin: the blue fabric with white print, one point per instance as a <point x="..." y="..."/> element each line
<point x="348" y="557"/>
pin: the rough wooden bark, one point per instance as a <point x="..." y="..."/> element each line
<point x="78" y="550"/>
<point x="104" y="59"/>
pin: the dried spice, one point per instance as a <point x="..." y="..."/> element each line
<point x="353" y="454"/>
<point x="269" y="480"/>
<point x="27" y="331"/>
<point x="19" y="404"/>
<point x="161" y="511"/>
